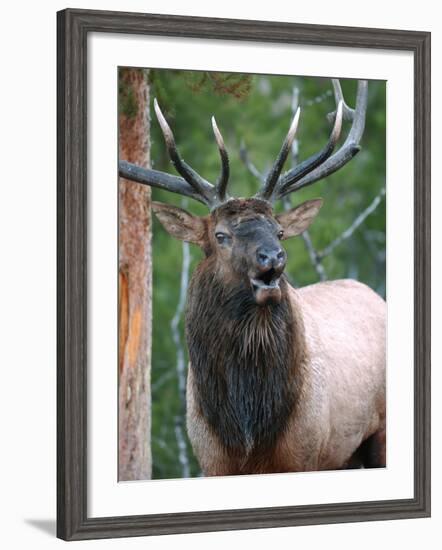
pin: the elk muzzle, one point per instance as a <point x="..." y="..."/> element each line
<point x="267" y="270"/>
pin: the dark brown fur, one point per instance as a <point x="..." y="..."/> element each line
<point x="244" y="363"/>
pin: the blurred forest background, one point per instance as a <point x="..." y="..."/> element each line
<point x="253" y="112"/>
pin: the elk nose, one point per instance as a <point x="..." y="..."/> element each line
<point x="270" y="258"/>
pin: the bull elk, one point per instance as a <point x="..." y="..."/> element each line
<point x="280" y="379"/>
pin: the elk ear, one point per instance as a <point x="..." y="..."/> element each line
<point x="179" y="223"/>
<point x="297" y="220"/>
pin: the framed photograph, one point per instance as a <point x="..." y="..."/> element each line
<point x="243" y="274"/>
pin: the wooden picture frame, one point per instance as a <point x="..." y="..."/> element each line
<point x="74" y="25"/>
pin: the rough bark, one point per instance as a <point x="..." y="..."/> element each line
<point x="135" y="282"/>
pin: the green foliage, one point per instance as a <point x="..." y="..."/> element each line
<point x="258" y="111"/>
<point x="238" y="86"/>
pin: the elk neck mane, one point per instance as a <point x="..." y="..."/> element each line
<point x="246" y="361"/>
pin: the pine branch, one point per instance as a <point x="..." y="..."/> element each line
<point x="182" y="447"/>
<point x="181" y="370"/>
<point x="312" y="252"/>
<point x="315" y="259"/>
<point x="244" y="156"/>
<point x="359" y="220"/>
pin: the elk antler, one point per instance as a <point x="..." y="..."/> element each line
<point x="221" y="185"/>
<point x="273" y="176"/>
<point x="191" y="184"/>
<point x="321" y="164"/>
<point x="275" y="186"/>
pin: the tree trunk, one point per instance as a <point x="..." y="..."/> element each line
<point x="135" y="282"/>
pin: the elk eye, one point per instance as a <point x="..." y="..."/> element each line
<point x="222" y="238"/>
<point x="280" y="234"/>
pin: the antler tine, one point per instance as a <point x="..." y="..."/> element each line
<point x="161" y="180"/>
<point x="295" y="174"/>
<point x="266" y="192"/>
<point x="348" y="150"/>
<point x="221" y="185"/>
<point x="348" y="113"/>
<point x="200" y="185"/>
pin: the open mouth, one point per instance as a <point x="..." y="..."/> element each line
<point x="266" y="287"/>
<point x="269" y="279"/>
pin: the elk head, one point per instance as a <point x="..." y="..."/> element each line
<point x="242" y="237"/>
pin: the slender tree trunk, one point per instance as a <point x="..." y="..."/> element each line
<point x="135" y="282"/>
